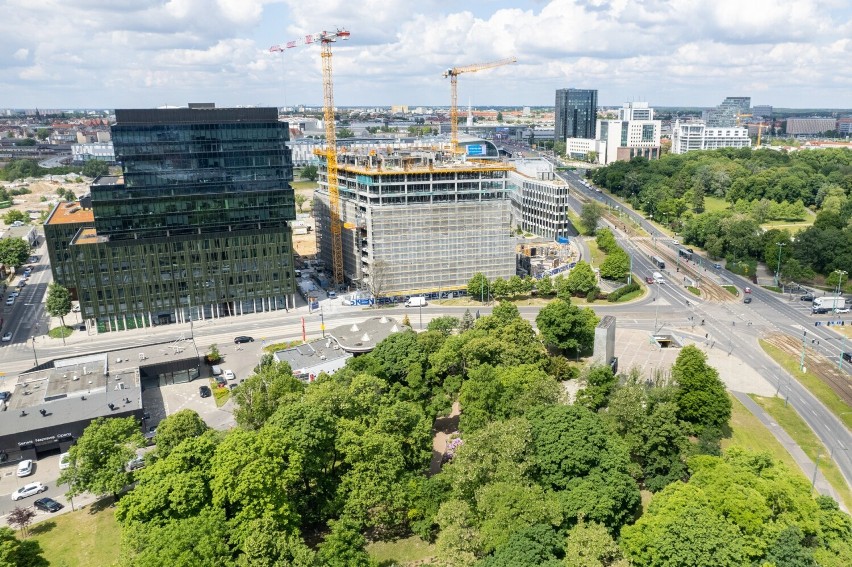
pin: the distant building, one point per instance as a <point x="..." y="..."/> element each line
<point x="635" y="133"/>
<point x="102" y="151"/>
<point x="580" y="148"/>
<point x="689" y="136"/>
<point x="729" y="113"/>
<point x="761" y="111"/>
<point x="810" y="126"/>
<point x="539" y="199"/>
<point x="576" y="113"/>
<point x="844" y="126"/>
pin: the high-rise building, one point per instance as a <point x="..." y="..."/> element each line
<point x="576" y="113"/>
<point x="689" y="136"/>
<point x="728" y="113"/>
<point x="196" y="227"/>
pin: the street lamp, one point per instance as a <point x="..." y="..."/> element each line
<point x="34" y="352"/>
<point x="839" y="279"/>
<point x="778" y="270"/>
<point x="816" y="470"/>
<point x="420" y="306"/>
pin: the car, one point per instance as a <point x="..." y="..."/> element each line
<point x="229" y="375"/>
<point x="5" y="396"/>
<point x="332" y="294"/>
<point x="747" y="300"/>
<point x="747" y="290"/>
<point x="847" y="356"/>
<point x="243" y="339"/>
<point x="204" y="391"/>
<point x="221" y="382"/>
<point x="28" y="490"/>
<point x="136" y="463"/>
<point x="32" y="259"/>
<point x="10" y="301"/>
<point x="649" y="279"/>
<point x="64" y="461"/>
<point x="807" y="297"/>
<point x="25" y="467"/>
<point x="717" y="265"/>
<point x="232" y="386"/>
<point x="75" y="309"/>
<point x="48" y="505"/>
<point x="7" y="336"/>
<point x="675" y="241"/>
<point x="28" y="271"/>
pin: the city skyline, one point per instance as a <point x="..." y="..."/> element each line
<point x="121" y="54"/>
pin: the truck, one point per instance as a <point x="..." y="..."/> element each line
<point x="827" y="304"/>
<point x="416" y="301"/>
<point x="658" y="277"/>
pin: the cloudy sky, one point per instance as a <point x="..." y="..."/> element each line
<point x="146" y="53"/>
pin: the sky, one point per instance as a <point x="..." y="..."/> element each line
<point x="147" y="53"/>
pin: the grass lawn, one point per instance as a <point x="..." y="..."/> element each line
<point x="817" y="387"/>
<point x="774" y="288"/>
<point x="401" y="551"/>
<point x="732" y="288"/>
<point x="715" y="204"/>
<point x="693" y="290"/>
<point x="304" y="185"/>
<point x="804" y="436"/>
<point x="281" y="346"/>
<point x="631" y="296"/>
<point x="59" y="332"/>
<point x="598" y="255"/>
<point x="575" y="220"/>
<point x="86" y="537"/>
<point x="221" y="395"/>
<point x="747" y="432"/>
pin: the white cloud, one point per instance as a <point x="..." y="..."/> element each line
<point x="148" y="52"/>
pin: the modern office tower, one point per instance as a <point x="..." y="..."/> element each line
<point x="689" y="136"/>
<point x="576" y="113"/>
<point x="729" y="113"/>
<point x="635" y="133"/>
<point x="539" y="199"/>
<point x="196" y="227"/>
<point x="419" y="221"/>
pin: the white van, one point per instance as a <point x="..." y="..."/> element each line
<point x="417" y="301"/>
<point x="658" y="277"/>
<point x="216" y="369"/>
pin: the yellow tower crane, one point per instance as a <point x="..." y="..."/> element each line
<point x="326" y="39"/>
<point x="454" y="109"/>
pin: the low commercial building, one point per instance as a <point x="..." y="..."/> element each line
<point x="690" y="136"/>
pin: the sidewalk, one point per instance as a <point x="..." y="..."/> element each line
<point x="822" y="485"/>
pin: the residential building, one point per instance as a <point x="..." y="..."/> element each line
<point x="761" y="111"/>
<point x="729" y="113"/>
<point x="196" y="227"/>
<point x="419" y="221"/>
<point x="689" y="136"/>
<point x="810" y="126"/>
<point x="576" y="113"/>
<point x="539" y="199"/>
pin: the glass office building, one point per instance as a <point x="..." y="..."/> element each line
<point x="196" y="227"/>
<point x="576" y="113"/>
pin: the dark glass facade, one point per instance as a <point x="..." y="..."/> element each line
<point x="575" y="113"/>
<point x="197" y="226"/>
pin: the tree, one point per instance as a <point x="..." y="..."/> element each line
<point x="544" y="286"/>
<point x="478" y="287"/>
<point x="466" y="321"/>
<point x="445" y="325"/>
<point x="263" y="393"/>
<point x="14" y="215"/>
<point x="616" y="266"/>
<point x="310" y="172"/>
<point x="509" y="507"/>
<point x="566" y="327"/>
<point x="100" y="456"/>
<point x="499" y="116"/>
<point x="14" y="252"/>
<point x="589" y="544"/>
<point x="58" y="302"/>
<point x="43" y="133"/>
<point x="95" y="168"/>
<point x="185" y="424"/>
<point x="700" y="395"/>
<point x="581" y="280"/>
<point x="344" y="546"/>
<point x="22" y="518"/>
<point x="300" y="201"/>
<point x="378" y="280"/>
<point x="499" y="287"/>
<point x="345" y="133"/>
<point x="590" y="216"/>
<point x="14" y="552"/>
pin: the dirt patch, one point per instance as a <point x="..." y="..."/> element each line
<point x="826" y="370"/>
<point x="43" y="192"/>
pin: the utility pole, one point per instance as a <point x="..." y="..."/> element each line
<point x="778" y="270"/>
<point x="34" y="352"/>
<point x="802" y="363"/>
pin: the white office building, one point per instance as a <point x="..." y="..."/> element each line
<point x="635" y="133"/>
<point x="539" y="199"/>
<point x="689" y="136"/>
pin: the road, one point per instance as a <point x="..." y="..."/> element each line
<point x="55" y="161"/>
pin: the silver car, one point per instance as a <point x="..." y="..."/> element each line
<point x="30" y="489"/>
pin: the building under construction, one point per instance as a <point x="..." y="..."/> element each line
<point x="419" y="221"/>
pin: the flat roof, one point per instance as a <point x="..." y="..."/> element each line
<point x="314" y="353"/>
<point x="88" y="236"/>
<point x="364" y="336"/>
<point x="68" y="213"/>
<point x="108" y="180"/>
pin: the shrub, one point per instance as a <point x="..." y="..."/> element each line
<point x="622" y="291"/>
<point x="593" y="294"/>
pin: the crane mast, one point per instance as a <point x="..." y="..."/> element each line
<point x="454" y="109"/>
<point x="326" y="39"/>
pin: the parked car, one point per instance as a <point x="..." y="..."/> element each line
<point x="747" y="300"/>
<point x="243" y="339"/>
<point x="807" y="297"/>
<point x="5" y="396"/>
<point x="25" y="467"/>
<point x="221" y="382"/>
<point x="7" y="336"/>
<point x="64" y="461"/>
<point x="48" y="505"/>
<point x="332" y="294"/>
<point x="229" y="375"/>
<point x="204" y="391"/>
<point x="75" y="309"/>
<point x="28" y="490"/>
<point x="10" y="300"/>
<point x="136" y="463"/>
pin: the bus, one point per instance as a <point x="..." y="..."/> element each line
<point x="657" y="261"/>
<point x="685" y="253"/>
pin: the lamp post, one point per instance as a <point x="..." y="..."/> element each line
<point x="322" y="322"/>
<point x="778" y="269"/>
<point x="34" y="352"/>
<point x="420" y="307"/>
<point x="816" y="470"/>
<point x="839" y="280"/>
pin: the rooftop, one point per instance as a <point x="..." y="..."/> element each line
<point x="106" y="180"/>
<point x="89" y="236"/>
<point x="308" y="355"/>
<point x="68" y="213"/>
<point x="364" y="336"/>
